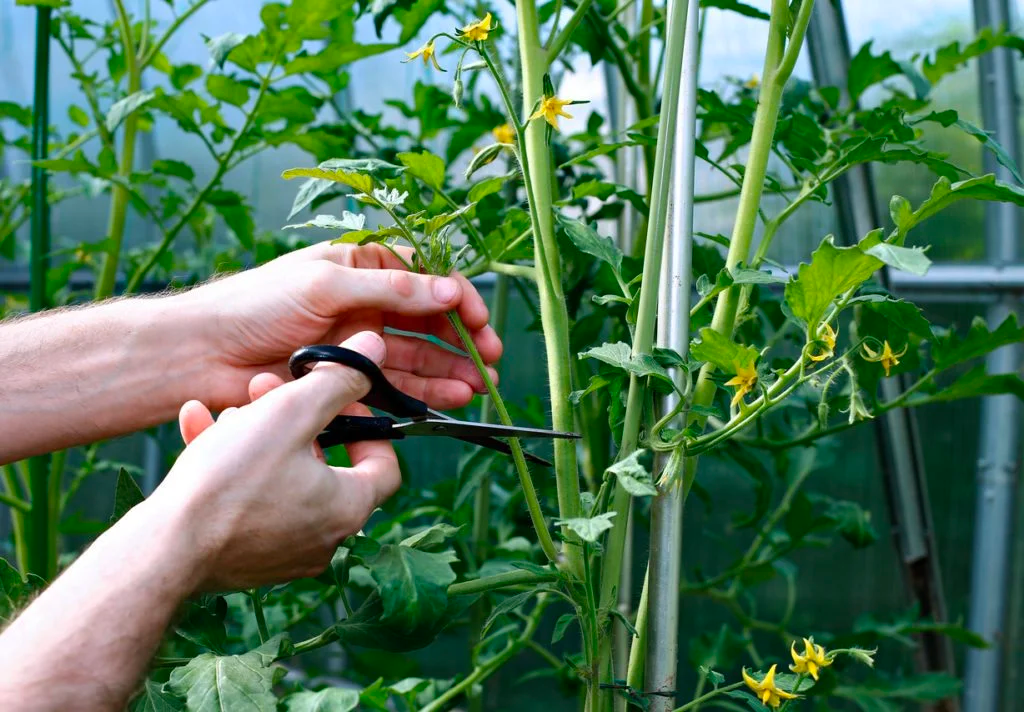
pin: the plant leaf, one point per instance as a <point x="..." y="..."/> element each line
<point x="15" y="591"/>
<point x="832" y="272"/>
<point x="425" y="166"/>
<point x="127" y="494"/>
<point x="329" y="700"/>
<point x="348" y="221"/>
<point x="431" y="536"/>
<point x="722" y="352"/>
<point x="153" y="698"/>
<point x="588" y="529"/>
<point x="633" y="476"/>
<point x="123" y="108"/>
<point x="908" y="259"/>
<point x="212" y="683"/>
<point x="953" y="349"/>
<point x="620" y="355"/>
<point x="221" y="45"/>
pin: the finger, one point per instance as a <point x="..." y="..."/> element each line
<point x="388" y="290"/>
<point x="323" y="392"/>
<point x="472" y="309"/>
<point x="373" y="477"/>
<point x="227" y="413"/>
<point x="263" y="383"/>
<point x="422" y="358"/>
<point x="193" y="419"/>
<point x="438" y="393"/>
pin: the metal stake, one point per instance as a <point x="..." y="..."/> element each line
<point x="999" y="446"/>
<point x="674" y="333"/>
<point x="899" y="450"/>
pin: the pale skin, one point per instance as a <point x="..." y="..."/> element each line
<point x="250" y="502"/>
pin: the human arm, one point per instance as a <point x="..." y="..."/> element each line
<point x="248" y="503"/>
<point x="86" y="374"/>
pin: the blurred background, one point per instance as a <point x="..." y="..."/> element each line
<point x="849" y="585"/>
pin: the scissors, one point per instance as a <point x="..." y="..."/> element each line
<point x="422" y="420"/>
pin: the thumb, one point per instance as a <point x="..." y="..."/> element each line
<point x="329" y="387"/>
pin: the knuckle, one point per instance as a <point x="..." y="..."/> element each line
<point x="321" y="276"/>
<point x="400" y="283"/>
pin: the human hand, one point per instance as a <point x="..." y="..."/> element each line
<point x="260" y="504"/>
<point x="252" y="321"/>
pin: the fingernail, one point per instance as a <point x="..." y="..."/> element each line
<point x="369" y="344"/>
<point x="445" y="289"/>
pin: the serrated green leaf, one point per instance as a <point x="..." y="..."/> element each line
<point x="15" y="591"/>
<point x="220" y="46"/>
<point x="977" y="382"/>
<point x="329" y="700"/>
<point x="367" y="628"/>
<point x="944" y="193"/>
<point x="335" y="56"/>
<point x="867" y="69"/>
<point x="78" y="115"/>
<point x="561" y="625"/>
<point x="227" y="89"/>
<point x="587" y="240"/>
<point x="832" y="272"/>
<point x="756" y="276"/>
<point x="127" y="494"/>
<point x="633" y="476"/>
<point x="722" y="352"/>
<point x="154" y="698"/>
<point x="413" y="584"/>
<point x="431" y="536"/>
<point x="171" y="167"/>
<point x="907" y="259"/>
<point x="235" y="212"/>
<point x="588" y="529"/>
<point x="486" y="187"/>
<point x="358" y="181"/>
<point x="347" y="221"/>
<point x="507" y="606"/>
<point x="425" y="166"/>
<point x="620" y="355"/>
<point x="123" y="108"/>
<point x="977" y="342"/>
<point x="737" y="7"/>
<point x="212" y="683"/>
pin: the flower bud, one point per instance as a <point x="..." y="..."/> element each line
<point x="485" y="156"/>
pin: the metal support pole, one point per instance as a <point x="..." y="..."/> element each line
<point x="899" y="449"/>
<point x="999" y="445"/>
<point x="673" y="333"/>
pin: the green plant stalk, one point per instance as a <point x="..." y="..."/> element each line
<point x="135" y="281"/>
<point x="119" y="194"/>
<point x="704" y="698"/>
<point x="537" y="173"/>
<point x="482" y="672"/>
<point x="261" y="618"/>
<point x="37" y="527"/>
<point x="643" y="339"/>
<point x="778" y="65"/>
<point x="482" y="497"/>
<point x="525" y="481"/>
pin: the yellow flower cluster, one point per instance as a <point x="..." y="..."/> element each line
<point x="811" y="662"/>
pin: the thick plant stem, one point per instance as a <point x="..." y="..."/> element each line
<point x="643" y="339"/>
<point x="119" y="193"/>
<point x="538" y="169"/>
<point x="38" y="526"/>
<point x="777" y="67"/>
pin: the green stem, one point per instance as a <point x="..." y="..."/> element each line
<point x="119" y="194"/>
<point x="704" y="698"/>
<point x="37" y="526"/>
<point x="482" y="672"/>
<point x="535" y="158"/>
<point x="15" y="503"/>
<point x="222" y="166"/>
<point x="556" y="46"/>
<point x="261" y="619"/>
<point x="149" y="56"/>
<point x="522" y="469"/>
<point x="643" y="339"/>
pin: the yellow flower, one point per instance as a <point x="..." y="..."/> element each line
<point x="551" y="109"/>
<point x="813" y="659"/>
<point x="428" y="54"/>
<point x="504" y="134"/>
<point x="887" y="358"/>
<point x="766" y="690"/>
<point x="828" y="336"/>
<point x="744" y="381"/>
<point x="478" y="31"/>
<point x="753" y="82"/>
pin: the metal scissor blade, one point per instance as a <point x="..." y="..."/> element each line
<point x="468" y="429"/>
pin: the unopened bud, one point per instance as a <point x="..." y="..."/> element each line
<point x="481" y="159"/>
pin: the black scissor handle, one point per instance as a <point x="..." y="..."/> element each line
<point x="382" y="395"/>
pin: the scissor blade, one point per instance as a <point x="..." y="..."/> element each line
<point x="468" y="429"/>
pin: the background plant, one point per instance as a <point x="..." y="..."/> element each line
<point x="532" y="210"/>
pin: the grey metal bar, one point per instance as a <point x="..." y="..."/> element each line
<point x="999" y="448"/>
<point x="899" y="450"/>
<point x="665" y="565"/>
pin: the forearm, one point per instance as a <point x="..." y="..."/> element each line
<point x="85" y="643"/>
<point x="82" y="375"/>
